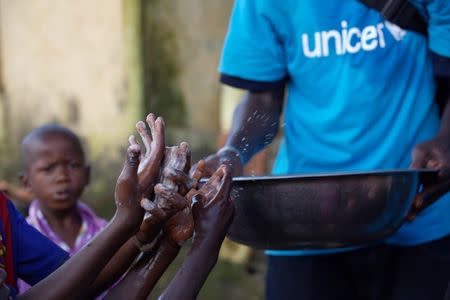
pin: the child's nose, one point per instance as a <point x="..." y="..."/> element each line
<point x="62" y="173"/>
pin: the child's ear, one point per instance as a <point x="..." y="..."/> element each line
<point x="23" y="177"/>
<point x="88" y="174"/>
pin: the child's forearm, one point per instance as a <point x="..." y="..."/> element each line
<point x="193" y="273"/>
<point x="80" y="271"/>
<point x="115" y="268"/>
<point x="122" y="260"/>
<point x="140" y="280"/>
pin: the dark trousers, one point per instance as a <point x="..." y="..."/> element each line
<point x="382" y="272"/>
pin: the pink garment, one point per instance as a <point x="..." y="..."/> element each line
<point x="91" y="224"/>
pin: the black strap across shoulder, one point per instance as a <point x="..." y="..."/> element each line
<point x="401" y="13"/>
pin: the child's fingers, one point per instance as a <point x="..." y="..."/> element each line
<point x="186" y="151"/>
<point x="147" y="204"/>
<point x="169" y="200"/>
<point x="131" y="162"/>
<point x="127" y="182"/>
<point x="132" y="140"/>
<point x="197" y="204"/>
<point x="151" y="209"/>
<point x="145" y="136"/>
<point x="180" y="178"/>
<point x="182" y="157"/>
<point x="151" y="121"/>
<point x="223" y="192"/>
<point x="191" y="194"/>
<point x="211" y="186"/>
<point x="157" y="130"/>
<point x="196" y="172"/>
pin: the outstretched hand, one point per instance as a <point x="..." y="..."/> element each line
<point x="151" y="158"/>
<point x="127" y="194"/>
<point x="171" y="199"/>
<point x="432" y="154"/>
<point x="180" y="227"/>
<point x="213" y="209"/>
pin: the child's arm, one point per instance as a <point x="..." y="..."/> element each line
<point x="213" y="211"/>
<point x="142" y="277"/>
<point x="212" y="218"/>
<point x="73" y="280"/>
<point x="153" y="145"/>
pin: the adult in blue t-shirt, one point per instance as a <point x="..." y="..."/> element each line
<point x="359" y="97"/>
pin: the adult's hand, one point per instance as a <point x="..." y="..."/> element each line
<point x="227" y="156"/>
<point x="432" y="154"/>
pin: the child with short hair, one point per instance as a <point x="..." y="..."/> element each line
<point x="55" y="171"/>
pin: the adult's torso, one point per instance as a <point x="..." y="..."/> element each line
<point x="360" y="96"/>
<point x="361" y="90"/>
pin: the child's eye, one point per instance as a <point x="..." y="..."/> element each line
<point x="48" y="168"/>
<point x="74" y="165"/>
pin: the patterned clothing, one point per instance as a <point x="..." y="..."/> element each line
<point x="90" y="226"/>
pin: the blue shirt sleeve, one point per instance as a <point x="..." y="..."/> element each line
<point x="253" y="49"/>
<point x="439" y="26"/>
<point x="35" y="256"/>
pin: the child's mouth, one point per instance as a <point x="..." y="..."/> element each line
<point x="61" y="195"/>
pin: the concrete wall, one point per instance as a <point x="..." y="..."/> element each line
<point x="64" y="61"/>
<point x="81" y="63"/>
<point x="201" y="27"/>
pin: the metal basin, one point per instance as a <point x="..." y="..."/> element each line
<point x="322" y="211"/>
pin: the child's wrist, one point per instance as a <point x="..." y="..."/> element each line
<point x="127" y="222"/>
<point x="210" y="242"/>
<point x="146" y="247"/>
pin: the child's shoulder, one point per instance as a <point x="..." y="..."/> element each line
<point x="88" y="214"/>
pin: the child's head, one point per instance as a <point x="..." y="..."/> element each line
<point x="54" y="167"/>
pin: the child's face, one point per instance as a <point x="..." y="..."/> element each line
<point x="56" y="172"/>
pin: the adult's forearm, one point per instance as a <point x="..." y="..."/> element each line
<point x="255" y="122"/>
<point x="80" y="271"/>
<point x="141" y="279"/>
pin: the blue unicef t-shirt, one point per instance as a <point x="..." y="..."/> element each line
<point x="360" y="89"/>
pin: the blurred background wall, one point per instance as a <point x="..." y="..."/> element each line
<point x="99" y="66"/>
